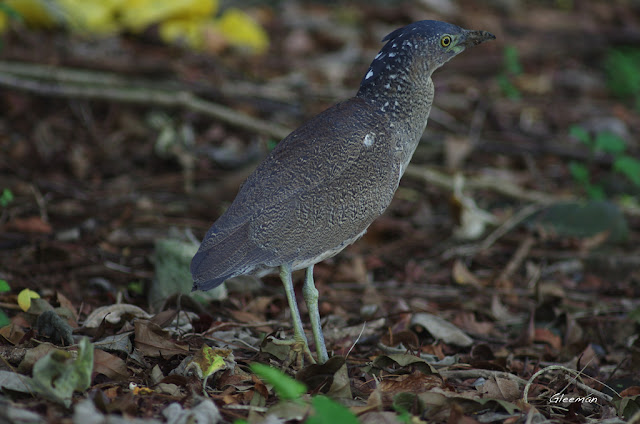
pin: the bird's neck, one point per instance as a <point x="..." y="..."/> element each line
<point x="405" y="96"/>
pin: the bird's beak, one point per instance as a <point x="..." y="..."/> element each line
<point x="473" y="38"/>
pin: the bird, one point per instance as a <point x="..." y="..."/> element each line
<point x="322" y="186"/>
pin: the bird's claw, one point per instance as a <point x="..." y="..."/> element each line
<point x="297" y="353"/>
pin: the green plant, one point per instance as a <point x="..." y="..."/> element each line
<point x="6" y="197"/>
<point x="622" y="67"/>
<point x="4" y="288"/>
<point x="605" y="142"/>
<point x="511" y="68"/>
<point x="325" y="410"/>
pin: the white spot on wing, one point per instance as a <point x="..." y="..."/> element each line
<point x="369" y="139"/>
<point x="392" y="54"/>
<point x="369" y="74"/>
<point x="378" y="55"/>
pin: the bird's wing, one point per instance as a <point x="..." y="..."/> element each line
<point x="320" y="180"/>
<point x="317" y="152"/>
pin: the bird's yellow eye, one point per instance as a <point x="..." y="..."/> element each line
<point x="445" y="41"/>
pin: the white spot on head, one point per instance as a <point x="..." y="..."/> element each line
<point x="369" y="139"/>
<point x="394" y="45"/>
<point x="369" y="74"/>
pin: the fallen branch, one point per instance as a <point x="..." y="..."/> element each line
<point x="102" y="86"/>
<point x="430" y="175"/>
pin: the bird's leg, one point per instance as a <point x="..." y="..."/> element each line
<point x="310" y="294"/>
<point x="298" y="331"/>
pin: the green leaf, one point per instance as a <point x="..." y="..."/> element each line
<point x="579" y="172"/>
<point x="271" y="144"/>
<point x="609" y="142"/>
<point x="4" y="286"/>
<point x="4" y="319"/>
<point x="579" y="133"/>
<point x="629" y="167"/>
<point x="403" y="402"/>
<point x="56" y="375"/>
<point x="6" y="197"/>
<point x="621" y="66"/>
<point x="285" y="386"/>
<point x="512" y="61"/>
<point x="136" y="287"/>
<point x="584" y="220"/>
<point x="596" y="192"/>
<point x="508" y="89"/>
<point x="328" y="411"/>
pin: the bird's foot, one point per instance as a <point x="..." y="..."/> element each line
<point x="299" y="349"/>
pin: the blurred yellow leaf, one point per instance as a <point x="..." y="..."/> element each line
<point x="139" y="14"/>
<point x="242" y="31"/>
<point x="37" y="13"/>
<point x="188" y="22"/>
<point x="92" y="16"/>
<point x="24" y="299"/>
<point x="4" y="21"/>
<point x="188" y="32"/>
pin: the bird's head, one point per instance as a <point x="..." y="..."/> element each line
<point x="420" y="47"/>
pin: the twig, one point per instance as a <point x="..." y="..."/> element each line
<point x="480" y="182"/>
<point x="575" y="373"/>
<point x="146" y="96"/>
<point x="480" y="373"/>
<point x="508" y="225"/>
<point x="517" y="258"/>
<point x="364" y="325"/>
<point x="432" y="176"/>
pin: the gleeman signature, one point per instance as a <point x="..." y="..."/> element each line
<point x="562" y="398"/>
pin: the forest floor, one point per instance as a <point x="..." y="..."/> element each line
<point x="501" y="285"/>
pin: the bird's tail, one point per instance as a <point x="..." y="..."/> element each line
<point x="224" y="253"/>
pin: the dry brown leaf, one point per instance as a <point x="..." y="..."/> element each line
<point x="441" y="329"/>
<point x="546" y="336"/>
<point x="67" y="304"/>
<point x="32" y="224"/>
<point x="501" y="388"/>
<point x="164" y="318"/>
<point x="32" y="356"/>
<point x="417" y="382"/>
<point x="379" y="417"/>
<point x="630" y="391"/>
<point x="110" y="365"/>
<point x="12" y="333"/>
<point x="151" y="340"/>
<point x="113" y="314"/>
<point x="456" y="416"/>
<point x="462" y="275"/>
<point x="467" y="322"/>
